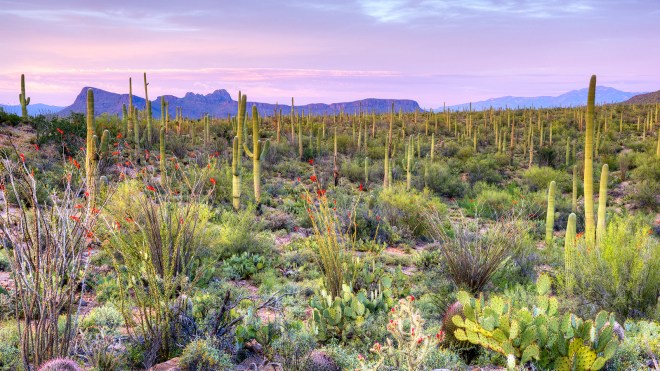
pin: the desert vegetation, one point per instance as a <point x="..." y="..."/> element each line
<point x="509" y="238"/>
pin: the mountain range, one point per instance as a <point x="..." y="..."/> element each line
<point x="33" y="109"/>
<point x="647" y="98"/>
<point x="220" y="104"/>
<point x="604" y="95"/>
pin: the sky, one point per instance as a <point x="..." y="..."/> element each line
<point x="432" y="51"/>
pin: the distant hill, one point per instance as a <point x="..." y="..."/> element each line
<point x="648" y="98"/>
<point x="220" y="103"/>
<point x="571" y="99"/>
<point x="33" y="109"/>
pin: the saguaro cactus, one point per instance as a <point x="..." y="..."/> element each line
<point x="258" y="154"/>
<point x="569" y="252"/>
<point x="90" y="155"/>
<point x="148" y="109"/>
<point x="388" y="148"/>
<point x="25" y="100"/>
<point x="602" y="203"/>
<point x="589" y="227"/>
<point x="105" y="144"/>
<point x="366" y="170"/>
<point x="236" y="154"/>
<point x="410" y="153"/>
<point x="162" y="153"/>
<point x="575" y="185"/>
<point x="550" y="215"/>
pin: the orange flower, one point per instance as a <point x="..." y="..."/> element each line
<point x="312" y="178"/>
<point x="151" y="188"/>
<point x="22" y="157"/>
<point x="75" y="218"/>
<point x="212" y="181"/>
<point x="60" y="131"/>
<point x="79" y="206"/>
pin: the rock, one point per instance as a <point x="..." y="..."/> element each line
<point x="171" y="365"/>
<point x="320" y="361"/>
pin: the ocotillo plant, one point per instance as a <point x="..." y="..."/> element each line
<point x="550" y="215"/>
<point x="236" y="154"/>
<point x="570" y="252"/>
<point x="148" y="113"/>
<point x="25" y="100"/>
<point x="258" y="154"/>
<point x="90" y="154"/>
<point x="589" y="227"/>
<point x="602" y="203"/>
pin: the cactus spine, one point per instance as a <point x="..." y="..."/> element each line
<point x="258" y="154"/>
<point x="602" y="203"/>
<point x="550" y="214"/>
<point x="590" y="227"/>
<point x="236" y="154"/>
<point x="90" y="155"/>
<point x="569" y="252"/>
<point x="24" y="99"/>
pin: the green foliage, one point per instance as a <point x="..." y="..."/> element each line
<point x="538" y="178"/>
<point x="539" y="334"/>
<point x="106" y="318"/>
<point x="240" y="232"/>
<point x="443" y="181"/>
<point x="405" y="209"/>
<point x="243" y="266"/>
<point x="483" y="169"/>
<point x="622" y="274"/>
<point x="203" y="355"/>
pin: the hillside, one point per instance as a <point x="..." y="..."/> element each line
<point x="648" y="98"/>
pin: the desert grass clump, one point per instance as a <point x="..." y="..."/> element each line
<point x="475" y="250"/>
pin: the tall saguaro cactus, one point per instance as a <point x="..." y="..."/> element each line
<point x="148" y="109"/>
<point x="388" y="148"/>
<point x="550" y="215"/>
<point x="590" y="227"/>
<point x="602" y="203"/>
<point x="258" y="154"/>
<point x="25" y="100"/>
<point x="570" y="252"/>
<point x="90" y="154"/>
<point x="236" y="154"/>
<point x="162" y="154"/>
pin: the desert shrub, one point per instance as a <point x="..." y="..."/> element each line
<point x="626" y="162"/>
<point x="483" y="169"/>
<point x="240" y="232"/>
<point x="538" y="178"/>
<point x="106" y="318"/>
<point x="473" y="250"/>
<point x="60" y="364"/>
<point x="443" y="181"/>
<point x="405" y="209"/>
<point x="622" y="274"/>
<point x="640" y="346"/>
<point x="294" y="347"/>
<point x="9" y="350"/>
<point x="202" y="355"/>
<point x="243" y="266"/>
<point x="5" y="264"/>
<point x="492" y="202"/>
<point x="353" y="169"/>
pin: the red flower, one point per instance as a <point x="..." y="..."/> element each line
<point x="90" y="234"/>
<point x="311" y="161"/>
<point x="119" y="136"/>
<point x="419" y="341"/>
<point x="117" y="225"/>
<point x="60" y="131"/>
<point x="298" y="179"/>
<point x="411" y="298"/>
<point x="95" y="210"/>
<point x="75" y="218"/>
<point x="115" y="153"/>
<point x="76" y="164"/>
<point x="212" y="181"/>
<point x="312" y="178"/>
<point x="361" y="188"/>
<point x="79" y="206"/>
<point x="129" y="219"/>
<point x="22" y="157"/>
<point x="36" y="147"/>
<point x="151" y="188"/>
<point x="181" y="221"/>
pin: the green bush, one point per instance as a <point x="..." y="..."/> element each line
<point x="483" y="169"/>
<point x="240" y="232"/>
<point x="405" y="209"/>
<point x="106" y="318"/>
<point x="243" y="266"/>
<point x="202" y="355"/>
<point x="622" y="274"/>
<point x="443" y="181"/>
<point x="538" y="178"/>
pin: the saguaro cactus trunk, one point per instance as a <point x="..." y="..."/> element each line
<point x="25" y="100"/>
<point x="90" y="154"/>
<point x="590" y="227"/>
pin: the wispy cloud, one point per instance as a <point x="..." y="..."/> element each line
<point x="400" y="11"/>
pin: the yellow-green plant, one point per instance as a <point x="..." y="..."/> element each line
<point x="237" y="152"/>
<point x="602" y="203"/>
<point x="538" y="335"/>
<point x="23" y="99"/>
<point x="90" y="155"/>
<point x="570" y="253"/>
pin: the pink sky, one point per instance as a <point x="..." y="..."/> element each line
<point x="433" y="51"/>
